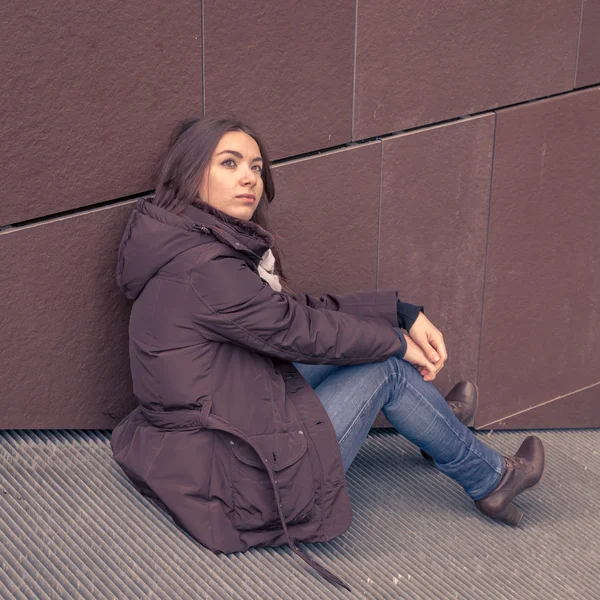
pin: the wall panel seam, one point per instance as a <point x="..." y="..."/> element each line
<point x="529" y="408"/>
<point x="578" y="46"/>
<point x="76" y="212"/>
<point x="313" y="153"/>
<point x="379" y="215"/>
<point x="487" y="244"/>
<point x="354" y="68"/>
<point x="203" y="58"/>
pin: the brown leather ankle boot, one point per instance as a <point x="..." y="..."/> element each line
<point x="522" y="471"/>
<point x="463" y="399"/>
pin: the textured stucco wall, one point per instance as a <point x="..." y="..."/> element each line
<point x="453" y="146"/>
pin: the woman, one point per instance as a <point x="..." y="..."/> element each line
<point x="253" y="401"/>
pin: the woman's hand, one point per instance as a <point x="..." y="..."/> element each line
<point x="416" y="357"/>
<point x="430" y="340"/>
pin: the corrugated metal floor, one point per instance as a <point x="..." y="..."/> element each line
<point x="73" y="527"/>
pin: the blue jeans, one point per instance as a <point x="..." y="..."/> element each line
<point x="353" y="396"/>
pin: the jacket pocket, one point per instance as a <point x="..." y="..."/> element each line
<point x="254" y="501"/>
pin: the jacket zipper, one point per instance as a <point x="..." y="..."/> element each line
<point x="220" y="237"/>
<point x="201" y="228"/>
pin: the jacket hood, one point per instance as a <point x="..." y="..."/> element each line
<point x="154" y="236"/>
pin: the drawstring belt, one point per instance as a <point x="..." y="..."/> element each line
<point x="202" y="419"/>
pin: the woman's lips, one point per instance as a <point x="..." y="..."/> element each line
<point x="247" y="198"/>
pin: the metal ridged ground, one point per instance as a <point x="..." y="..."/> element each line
<point x="72" y="526"/>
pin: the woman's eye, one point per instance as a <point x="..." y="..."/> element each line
<point x="229" y="162"/>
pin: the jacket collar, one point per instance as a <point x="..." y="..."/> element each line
<point x="244" y="236"/>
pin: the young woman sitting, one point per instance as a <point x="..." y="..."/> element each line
<point x="253" y="399"/>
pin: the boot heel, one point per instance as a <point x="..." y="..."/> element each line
<point x="511" y="515"/>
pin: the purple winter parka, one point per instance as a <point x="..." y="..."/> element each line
<point x="228" y="437"/>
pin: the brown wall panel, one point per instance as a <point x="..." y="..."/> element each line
<point x="434" y="217"/>
<point x="286" y="67"/>
<point x="579" y="409"/>
<point x="541" y="322"/>
<point x="89" y="94"/>
<point x="420" y="63"/>
<point x="326" y="211"/>
<point x="64" y="322"/>
<point x="588" y="62"/>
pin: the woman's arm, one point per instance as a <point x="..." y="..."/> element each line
<point x="381" y="304"/>
<point x="234" y="305"/>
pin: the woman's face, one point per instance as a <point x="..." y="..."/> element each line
<point x="232" y="182"/>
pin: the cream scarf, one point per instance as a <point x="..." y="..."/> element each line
<point x="266" y="270"/>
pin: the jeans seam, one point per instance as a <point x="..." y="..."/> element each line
<point x="451" y="429"/>
<point x="365" y="405"/>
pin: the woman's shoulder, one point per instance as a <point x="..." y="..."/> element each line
<point x="196" y="259"/>
<point x="223" y="276"/>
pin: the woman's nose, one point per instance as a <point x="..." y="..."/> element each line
<point x="250" y="176"/>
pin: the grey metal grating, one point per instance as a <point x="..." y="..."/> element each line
<point x="72" y="526"/>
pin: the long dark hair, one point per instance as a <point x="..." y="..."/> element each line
<point x="181" y="169"/>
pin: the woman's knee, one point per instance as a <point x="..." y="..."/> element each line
<point x="398" y="368"/>
<point x="407" y="374"/>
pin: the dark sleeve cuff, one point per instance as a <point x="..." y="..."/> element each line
<point x="407" y="314"/>
<point x="402" y="351"/>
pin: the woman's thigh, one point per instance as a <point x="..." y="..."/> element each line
<point x="316" y="374"/>
<point x="352" y="395"/>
